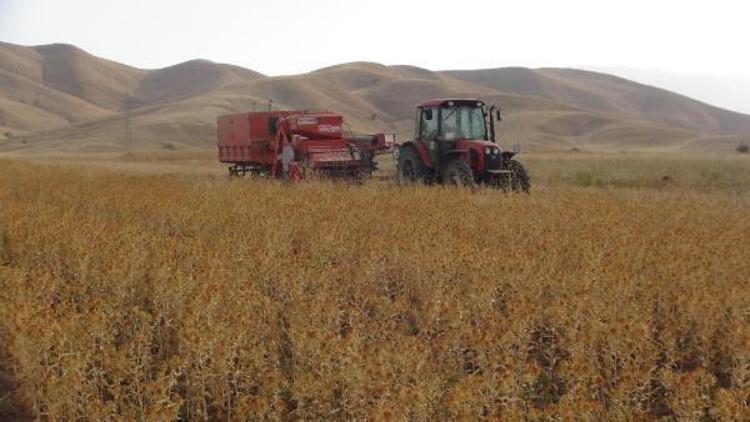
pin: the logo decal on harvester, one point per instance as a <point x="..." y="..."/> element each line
<point x="306" y="120"/>
<point x="329" y="129"/>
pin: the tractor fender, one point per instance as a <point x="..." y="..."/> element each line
<point x="421" y="151"/>
<point x="507" y="155"/>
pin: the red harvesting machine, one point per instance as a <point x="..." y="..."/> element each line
<point x="291" y="144"/>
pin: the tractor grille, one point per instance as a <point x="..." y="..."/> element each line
<point x="493" y="161"/>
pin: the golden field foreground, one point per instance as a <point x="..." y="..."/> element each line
<point x="615" y="291"/>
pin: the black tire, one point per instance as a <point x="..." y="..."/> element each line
<point x="360" y="176"/>
<point x="368" y="162"/>
<point x="458" y="173"/>
<point x="409" y="169"/>
<point x="518" y="180"/>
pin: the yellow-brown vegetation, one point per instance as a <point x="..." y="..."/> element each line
<point x="148" y="296"/>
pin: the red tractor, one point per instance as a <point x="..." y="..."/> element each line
<point x="454" y="143"/>
<point x="292" y="144"/>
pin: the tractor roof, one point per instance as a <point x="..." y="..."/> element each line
<point x="437" y="102"/>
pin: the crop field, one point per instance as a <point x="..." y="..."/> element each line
<point x="619" y="289"/>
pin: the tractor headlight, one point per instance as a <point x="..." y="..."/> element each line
<point x="488" y="150"/>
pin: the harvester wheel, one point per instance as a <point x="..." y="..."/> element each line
<point x="458" y="173"/>
<point x="410" y="168"/>
<point x="517" y="180"/>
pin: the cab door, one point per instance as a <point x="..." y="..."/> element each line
<point x="429" y="129"/>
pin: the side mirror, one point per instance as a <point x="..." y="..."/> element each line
<point x="428" y="114"/>
<point x="498" y="117"/>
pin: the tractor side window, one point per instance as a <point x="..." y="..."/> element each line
<point x="451" y="128"/>
<point x="473" y="121"/>
<point x="429" y="124"/>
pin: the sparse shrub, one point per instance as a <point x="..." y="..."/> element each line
<point x="4" y="250"/>
<point x="743" y="148"/>
<point x="546" y="352"/>
<point x="584" y="178"/>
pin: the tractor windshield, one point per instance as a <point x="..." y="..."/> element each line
<point x="463" y="122"/>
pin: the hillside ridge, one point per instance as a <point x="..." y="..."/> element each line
<point x="59" y="97"/>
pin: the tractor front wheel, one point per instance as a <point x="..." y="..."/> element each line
<point x="458" y="173"/>
<point x="517" y="180"/>
<point x="409" y="167"/>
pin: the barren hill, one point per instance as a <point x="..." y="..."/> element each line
<point x="186" y="80"/>
<point x="60" y="98"/>
<point x="598" y="92"/>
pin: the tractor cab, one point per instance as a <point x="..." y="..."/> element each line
<point x="454" y="142"/>
<point x="445" y="126"/>
<point x="453" y="120"/>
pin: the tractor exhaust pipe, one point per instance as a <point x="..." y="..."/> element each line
<point x="492" y="111"/>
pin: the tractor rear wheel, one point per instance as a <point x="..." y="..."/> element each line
<point x="458" y="173"/>
<point x="409" y="167"/>
<point x="517" y="180"/>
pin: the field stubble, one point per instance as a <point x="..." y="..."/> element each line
<point x="163" y="296"/>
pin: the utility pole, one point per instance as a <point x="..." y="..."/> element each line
<point x="128" y="138"/>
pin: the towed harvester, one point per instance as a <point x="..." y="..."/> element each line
<point x="294" y="143"/>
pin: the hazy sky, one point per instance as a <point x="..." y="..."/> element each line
<point x="293" y="36"/>
<point x="708" y="38"/>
